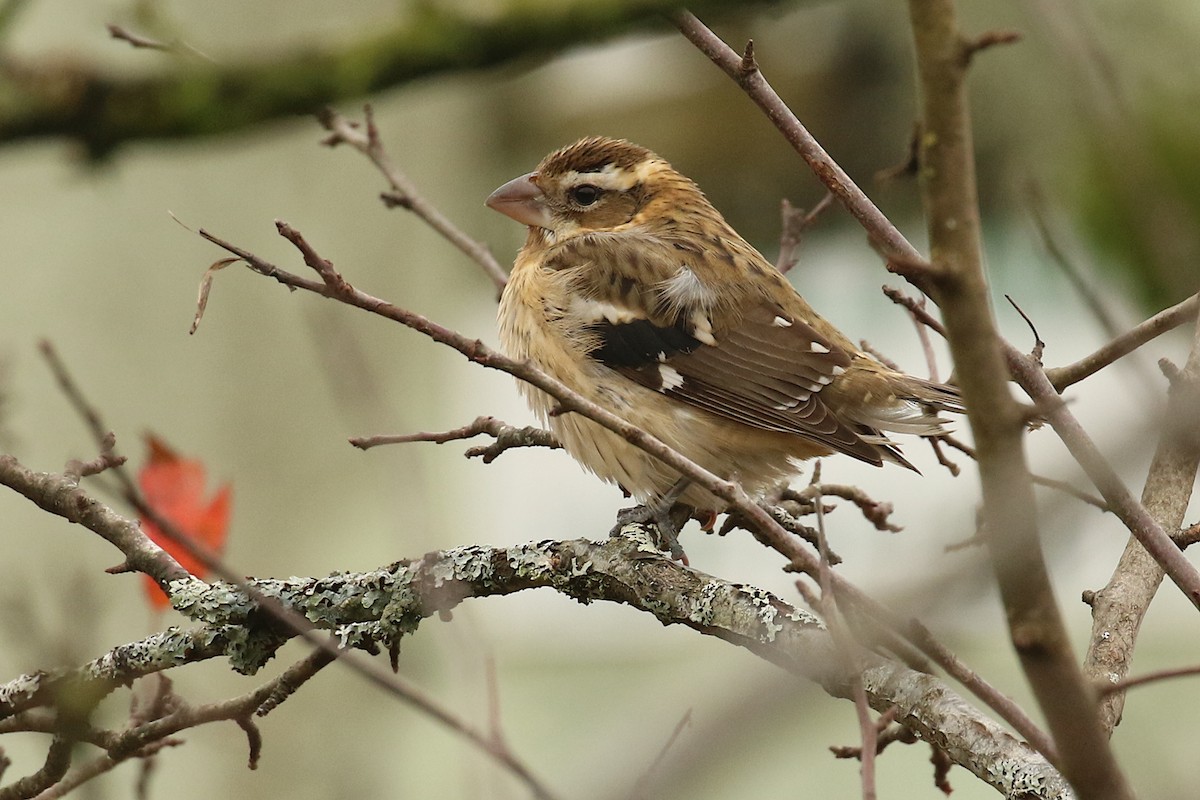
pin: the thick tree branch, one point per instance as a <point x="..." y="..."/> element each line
<point x="960" y="289"/>
<point x="368" y="610"/>
<point x="1118" y="608"/>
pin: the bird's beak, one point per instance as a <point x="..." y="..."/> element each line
<point x="521" y="199"/>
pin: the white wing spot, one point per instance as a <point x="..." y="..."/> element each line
<point x="702" y="328"/>
<point x="817" y="347"/>
<point x="780" y="322"/>
<point x="825" y="380"/>
<point x="670" y="377"/>
<point x="837" y="370"/>
<point x="662" y="357"/>
<point x="591" y="310"/>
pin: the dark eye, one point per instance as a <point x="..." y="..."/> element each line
<point x="585" y="194"/>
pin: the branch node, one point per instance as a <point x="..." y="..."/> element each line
<point x="1038" y="345"/>
<point x="253" y="738"/>
<point x="396" y="199"/>
<point x="988" y="39"/>
<point x="1170" y="370"/>
<point x="749" y="65"/>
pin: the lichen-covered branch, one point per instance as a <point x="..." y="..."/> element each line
<point x="374" y="609"/>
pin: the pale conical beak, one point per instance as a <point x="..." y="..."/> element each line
<point x="522" y="200"/>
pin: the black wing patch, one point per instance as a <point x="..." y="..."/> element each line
<point x="640" y="342"/>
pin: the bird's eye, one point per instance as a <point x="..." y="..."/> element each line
<point x="585" y="194"/>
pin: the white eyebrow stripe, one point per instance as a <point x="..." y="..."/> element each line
<point x="610" y="176"/>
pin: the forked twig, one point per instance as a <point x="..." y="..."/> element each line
<point x="403" y="192"/>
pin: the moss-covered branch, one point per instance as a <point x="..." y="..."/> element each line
<point x="61" y="97"/>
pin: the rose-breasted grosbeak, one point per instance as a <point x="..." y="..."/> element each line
<point x="634" y="291"/>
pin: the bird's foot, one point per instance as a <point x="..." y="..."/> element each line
<point x="667" y="520"/>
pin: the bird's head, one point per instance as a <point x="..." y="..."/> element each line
<point x="596" y="184"/>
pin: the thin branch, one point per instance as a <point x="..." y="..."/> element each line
<point x="506" y="436"/>
<point x="826" y="169"/>
<point x="796" y="221"/>
<point x="58" y="760"/>
<point x="876" y="512"/>
<point x="846" y="646"/>
<point x="916" y="308"/>
<point x="643" y="781"/>
<point x="1162" y="322"/>
<point x="1122" y="686"/>
<point x="403" y="193"/>
<point x="1133" y="514"/>
<point x="1039" y="346"/>
<point x="137" y="41"/>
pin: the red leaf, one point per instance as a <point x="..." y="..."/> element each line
<point x="174" y="488"/>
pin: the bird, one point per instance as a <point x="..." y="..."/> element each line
<point x="633" y="290"/>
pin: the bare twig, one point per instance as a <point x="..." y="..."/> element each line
<point x="916" y="308"/>
<point x="935" y="442"/>
<point x="403" y="192"/>
<point x="846" y="646"/>
<point x="876" y="512"/>
<point x="640" y="785"/>
<point x="1162" y="322"/>
<point x="136" y="40"/>
<point x="990" y="39"/>
<point x="887" y="731"/>
<point x="796" y="221"/>
<point x="1039" y="346"/>
<point x="506" y="436"/>
<point x="1121" y="686"/>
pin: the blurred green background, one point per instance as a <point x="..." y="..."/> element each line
<point x="1086" y="128"/>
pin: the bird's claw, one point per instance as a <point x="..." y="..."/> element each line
<point x="662" y="520"/>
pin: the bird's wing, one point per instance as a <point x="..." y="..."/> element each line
<point x="763" y="367"/>
<point x="760" y="373"/>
